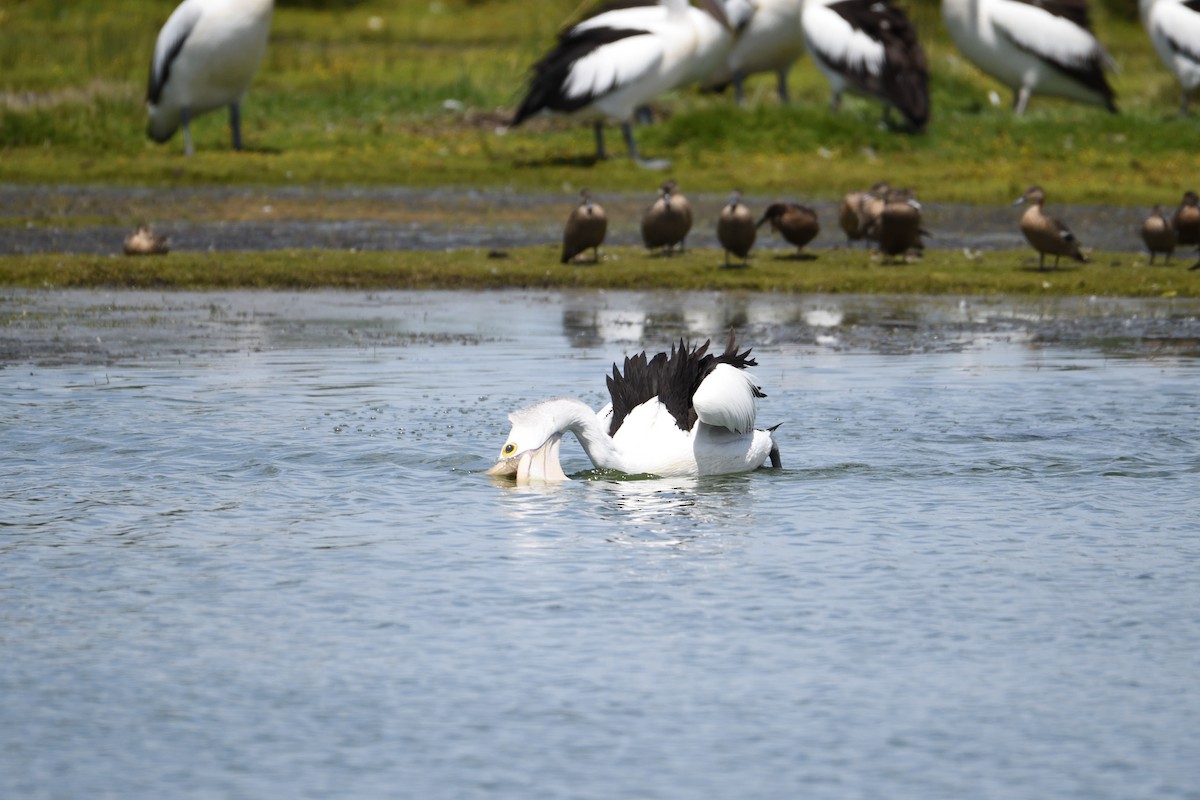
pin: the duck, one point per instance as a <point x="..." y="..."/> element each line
<point x="870" y="48"/>
<point x="1159" y="234"/>
<point x="611" y="65"/>
<point x="1174" y="28"/>
<point x="897" y="228"/>
<point x="736" y="230"/>
<point x="1187" y="219"/>
<point x="1045" y="233"/>
<point x="679" y="414"/>
<point x="585" y="229"/>
<point x="668" y="220"/>
<point x="205" y="58"/>
<point x="796" y="223"/>
<point x="860" y="209"/>
<point x="768" y="39"/>
<point x="1041" y="47"/>
<point x="145" y="242"/>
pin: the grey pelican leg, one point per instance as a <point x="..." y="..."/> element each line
<point x="656" y="163"/>
<point x="598" y="127"/>
<point x="185" y="120"/>
<point x="235" y="124"/>
<point x="835" y="104"/>
<point x="1183" y="104"/>
<point x="739" y="89"/>
<point x="1021" y="99"/>
<point x="781" y="86"/>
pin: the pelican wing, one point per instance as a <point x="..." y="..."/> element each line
<point x="842" y="39"/>
<point x="725" y="398"/>
<point x="170" y="41"/>
<point x="1179" y="24"/>
<point x="1058" y="34"/>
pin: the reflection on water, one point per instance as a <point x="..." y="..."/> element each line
<point x="247" y="549"/>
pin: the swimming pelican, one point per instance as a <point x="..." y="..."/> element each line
<point x="668" y="220"/>
<point x="1033" y="47"/>
<point x="680" y="414"/>
<point x="736" y="230"/>
<point x="1158" y="234"/>
<point x="1174" y="28"/>
<point x="585" y="229"/>
<point x="1045" y="233"/>
<point x="145" y="242"/>
<point x="797" y="224"/>
<point x="608" y="66"/>
<point x="869" y="47"/>
<point x="769" y="39"/>
<point x="205" y="57"/>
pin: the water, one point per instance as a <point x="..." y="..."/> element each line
<point x="246" y="550"/>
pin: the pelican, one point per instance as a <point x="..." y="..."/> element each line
<point x="205" y="58"/>
<point x="680" y="414"/>
<point x="1174" y="28"/>
<point x="860" y="209"/>
<point x="1158" y="234"/>
<point x="769" y="40"/>
<point x="736" y="230"/>
<point x="667" y="221"/>
<point x="608" y="66"/>
<point x="797" y="224"/>
<point x="1187" y="219"/>
<point x="1033" y="47"/>
<point x="1046" y="234"/>
<point x="145" y="242"/>
<point x="870" y="48"/>
<point x="585" y="229"/>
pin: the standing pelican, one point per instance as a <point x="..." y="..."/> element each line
<point x="1158" y="234"/>
<point x="770" y="40"/>
<point x="797" y="224"/>
<point x="585" y="229"/>
<point x="736" y="230"/>
<point x="607" y="66"/>
<point x="683" y="414"/>
<point x="667" y="221"/>
<point x="1033" y="47"/>
<point x="1045" y="233"/>
<point x="870" y="48"/>
<point x="1187" y="219"/>
<point x="860" y="209"/>
<point x="206" y="55"/>
<point x="1174" y="28"/>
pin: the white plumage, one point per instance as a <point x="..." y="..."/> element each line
<point x="608" y="66"/>
<point x="683" y="414"/>
<point x="205" y="57"/>
<point x="769" y="39"/>
<point x="1174" y="28"/>
<point x="1033" y="48"/>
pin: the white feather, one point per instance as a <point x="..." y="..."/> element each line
<point x="1174" y="29"/>
<point x="725" y="399"/>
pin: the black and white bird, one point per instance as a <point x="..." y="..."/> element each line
<point x="206" y="55"/>
<point x="769" y="39"/>
<point x="682" y="413"/>
<point x="609" y="65"/>
<point x="1034" y="47"/>
<point x="869" y="47"/>
<point x="1174" y="28"/>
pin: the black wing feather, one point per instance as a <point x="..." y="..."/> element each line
<point x="159" y="77"/>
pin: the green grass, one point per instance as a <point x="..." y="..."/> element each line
<point x="834" y="271"/>
<point x="345" y="101"/>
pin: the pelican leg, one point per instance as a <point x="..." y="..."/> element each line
<point x="739" y="90"/>
<point x="643" y="115"/>
<point x="1021" y="100"/>
<point x="235" y="124"/>
<point x="781" y="86"/>
<point x="1183" y="104"/>
<point x="598" y="128"/>
<point x="185" y="120"/>
<point x="631" y="145"/>
<point x="835" y="105"/>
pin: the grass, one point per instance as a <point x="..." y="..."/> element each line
<point x="835" y="271"/>
<point x="417" y="93"/>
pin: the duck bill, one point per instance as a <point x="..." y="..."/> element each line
<point x="532" y="466"/>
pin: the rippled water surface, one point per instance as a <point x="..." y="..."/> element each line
<point x="246" y="550"/>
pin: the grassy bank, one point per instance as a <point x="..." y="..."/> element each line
<point x="410" y="92"/>
<point x="833" y="271"/>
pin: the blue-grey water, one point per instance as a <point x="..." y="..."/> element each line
<point x="247" y="550"/>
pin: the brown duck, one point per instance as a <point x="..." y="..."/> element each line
<point x="1187" y="219"/>
<point x="898" y="226"/>
<point x="585" y="229"/>
<point x="1159" y="234"/>
<point x="667" y="222"/>
<point x="797" y="224"/>
<point x="859" y="210"/>
<point x="1046" y="234"/>
<point x="736" y="229"/>
<point x="145" y="242"/>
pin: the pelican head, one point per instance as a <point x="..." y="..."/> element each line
<point x="531" y="450"/>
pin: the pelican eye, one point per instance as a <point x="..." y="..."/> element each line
<point x="509" y="450"/>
